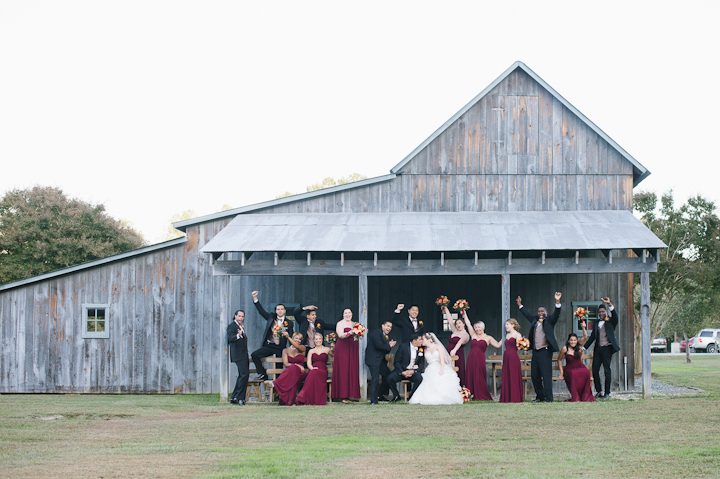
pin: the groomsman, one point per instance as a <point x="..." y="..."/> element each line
<point x="379" y="344"/>
<point x="543" y="344"/>
<point x="606" y="346"/>
<point x="270" y="344"/>
<point x="308" y="324"/>
<point x="237" y="339"/>
<point x="409" y="364"/>
<point x="409" y="324"/>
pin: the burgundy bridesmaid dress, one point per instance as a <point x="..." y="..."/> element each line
<point x="577" y="379"/>
<point x="460" y="363"/>
<point x="476" y="371"/>
<point x="287" y="384"/>
<point x="314" y="392"/>
<point x="346" y="369"/>
<point x="512" y="383"/>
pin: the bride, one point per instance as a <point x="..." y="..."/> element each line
<point x="440" y="384"/>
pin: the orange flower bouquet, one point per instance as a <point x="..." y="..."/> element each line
<point x="358" y="331"/>
<point x="523" y="344"/>
<point x="442" y="301"/>
<point x="466" y="395"/>
<point x="461" y="305"/>
<point x="279" y="330"/>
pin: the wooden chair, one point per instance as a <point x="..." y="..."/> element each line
<point x="276" y="369"/>
<point x="525" y="361"/>
<point x="493" y="367"/>
<point x="253" y="386"/>
<point x="331" y="359"/>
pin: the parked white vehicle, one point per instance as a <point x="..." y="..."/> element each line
<point x="707" y="340"/>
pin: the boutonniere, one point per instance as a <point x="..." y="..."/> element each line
<point x="285" y="323"/>
<point x="420" y="351"/>
<point x="607" y="318"/>
<point x="386" y="337"/>
<point x="317" y="326"/>
<point x="420" y="323"/>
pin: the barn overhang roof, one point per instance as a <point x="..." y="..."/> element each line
<point x="434" y="232"/>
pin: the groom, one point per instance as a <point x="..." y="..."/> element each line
<point x="408" y="325"/>
<point x="409" y="363"/>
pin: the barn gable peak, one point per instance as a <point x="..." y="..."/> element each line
<point x="639" y="172"/>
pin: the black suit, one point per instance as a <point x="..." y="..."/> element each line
<point x="405" y="325"/>
<point x="375" y="352"/>
<point x="303" y="325"/>
<point x="400" y="364"/>
<point x="603" y="355"/>
<point x="541" y="365"/>
<point x="239" y="355"/>
<point x="268" y="347"/>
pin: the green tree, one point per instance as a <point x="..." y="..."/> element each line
<point x="328" y="182"/>
<point x="689" y="270"/>
<point x="42" y="230"/>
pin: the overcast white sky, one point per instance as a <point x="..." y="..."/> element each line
<point x="155" y="107"/>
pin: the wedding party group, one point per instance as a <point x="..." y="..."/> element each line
<point x="435" y="374"/>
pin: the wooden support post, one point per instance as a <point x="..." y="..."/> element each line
<point x="374" y="259"/>
<point x="242" y="259"/>
<point x="309" y="258"/>
<point x="610" y="257"/>
<point x="509" y="261"/>
<point x="275" y="260"/>
<point x="657" y="256"/>
<point x="543" y="257"/>
<point x="476" y="258"/>
<point x="342" y="259"/>
<point x="220" y="331"/>
<point x="505" y="313"/>
<point x="645" y="328"/>
<point x="442" y="259"/>
<point x="363" y="319"/>
<point x="409" y="258"/>
<point x="577" y="257"/>
<point x="644" y="256"/>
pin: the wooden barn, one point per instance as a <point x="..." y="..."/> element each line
<point x="517" y="194"/>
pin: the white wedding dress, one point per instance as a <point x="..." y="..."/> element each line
<point x="436" y="389"/>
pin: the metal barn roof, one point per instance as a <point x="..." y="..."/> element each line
<point x="414" y="232"/>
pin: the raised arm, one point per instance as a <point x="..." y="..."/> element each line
<point x="493" y="342"/>
<point x="396" y="315"/>
<point x="613" y="313"/>
<point x="563" y="351"/>
<point x="584" y="338"/>
<point x="300" y="347"/>
<point x="258" y="306"/>
<point x="449" y="319"/>
<point x="525" y="313"/>
<point x="558" y="307"/>
<point x="470" y="329"/>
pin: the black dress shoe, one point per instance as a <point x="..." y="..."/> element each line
<point x="240" y="402"/>
<point x="599" y="396"/>
<point x="262" y="377"/>
<point x="395" y="399"/>
<point x="382" y="399"/>
<point x="373" y="404"/>
<point x="606" y="396"/>
<point x="537" y="400"/>
<point x="233" y="401"/>
<point x="548" y="400"/>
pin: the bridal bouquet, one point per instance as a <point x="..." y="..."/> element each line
<point x="461" y="305"/>
<point x="280" y="329"/>
<point x="442" y="301"/>
<point x="581" y="313"/>
<point x="466" y="394"/>
<point x="358" y="331"/>
<point x="523" y="344"/>
<point x="331" y="338"/>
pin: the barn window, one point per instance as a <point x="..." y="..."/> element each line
<point x="96" y="319"/>
<point x="592" y="309"/>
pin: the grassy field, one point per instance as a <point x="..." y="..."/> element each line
<point x="196" y="436"/>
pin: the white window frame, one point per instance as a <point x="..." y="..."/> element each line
<point x="592" y="318"/>
<point x="93" y="334"/>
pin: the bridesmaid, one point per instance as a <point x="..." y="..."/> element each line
<point x="346" y="366"/>
<point x="476" y="370"/>
<point x="456" y="343"/>
<point x="576" y="375"/>
<point x="512" y="382"/>
<point x="314" y="392"/>
<point x="287" y="383"/>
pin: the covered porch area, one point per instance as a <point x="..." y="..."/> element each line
<point x="487" y="258"/>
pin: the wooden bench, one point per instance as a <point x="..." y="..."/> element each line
<point x="253" y="386"/>
<point x="276" y="369"/>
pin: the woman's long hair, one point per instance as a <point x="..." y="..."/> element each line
<point x="578" y="350"/>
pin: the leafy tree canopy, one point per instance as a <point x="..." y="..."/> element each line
<point x="328" y="182"/>
<point x="42" y="230"/>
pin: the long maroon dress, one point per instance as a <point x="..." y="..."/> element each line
<point x="512" y="383"/>
<point x="577" y="379"/>
<point x="476" y="371"/>
<point x="346" y="368"/>
<point x="314" y="392"/>
<point x="287" y="384"/>
<point x="460" y="363"/>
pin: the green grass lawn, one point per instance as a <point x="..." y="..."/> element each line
<point x="197" y="436"/>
